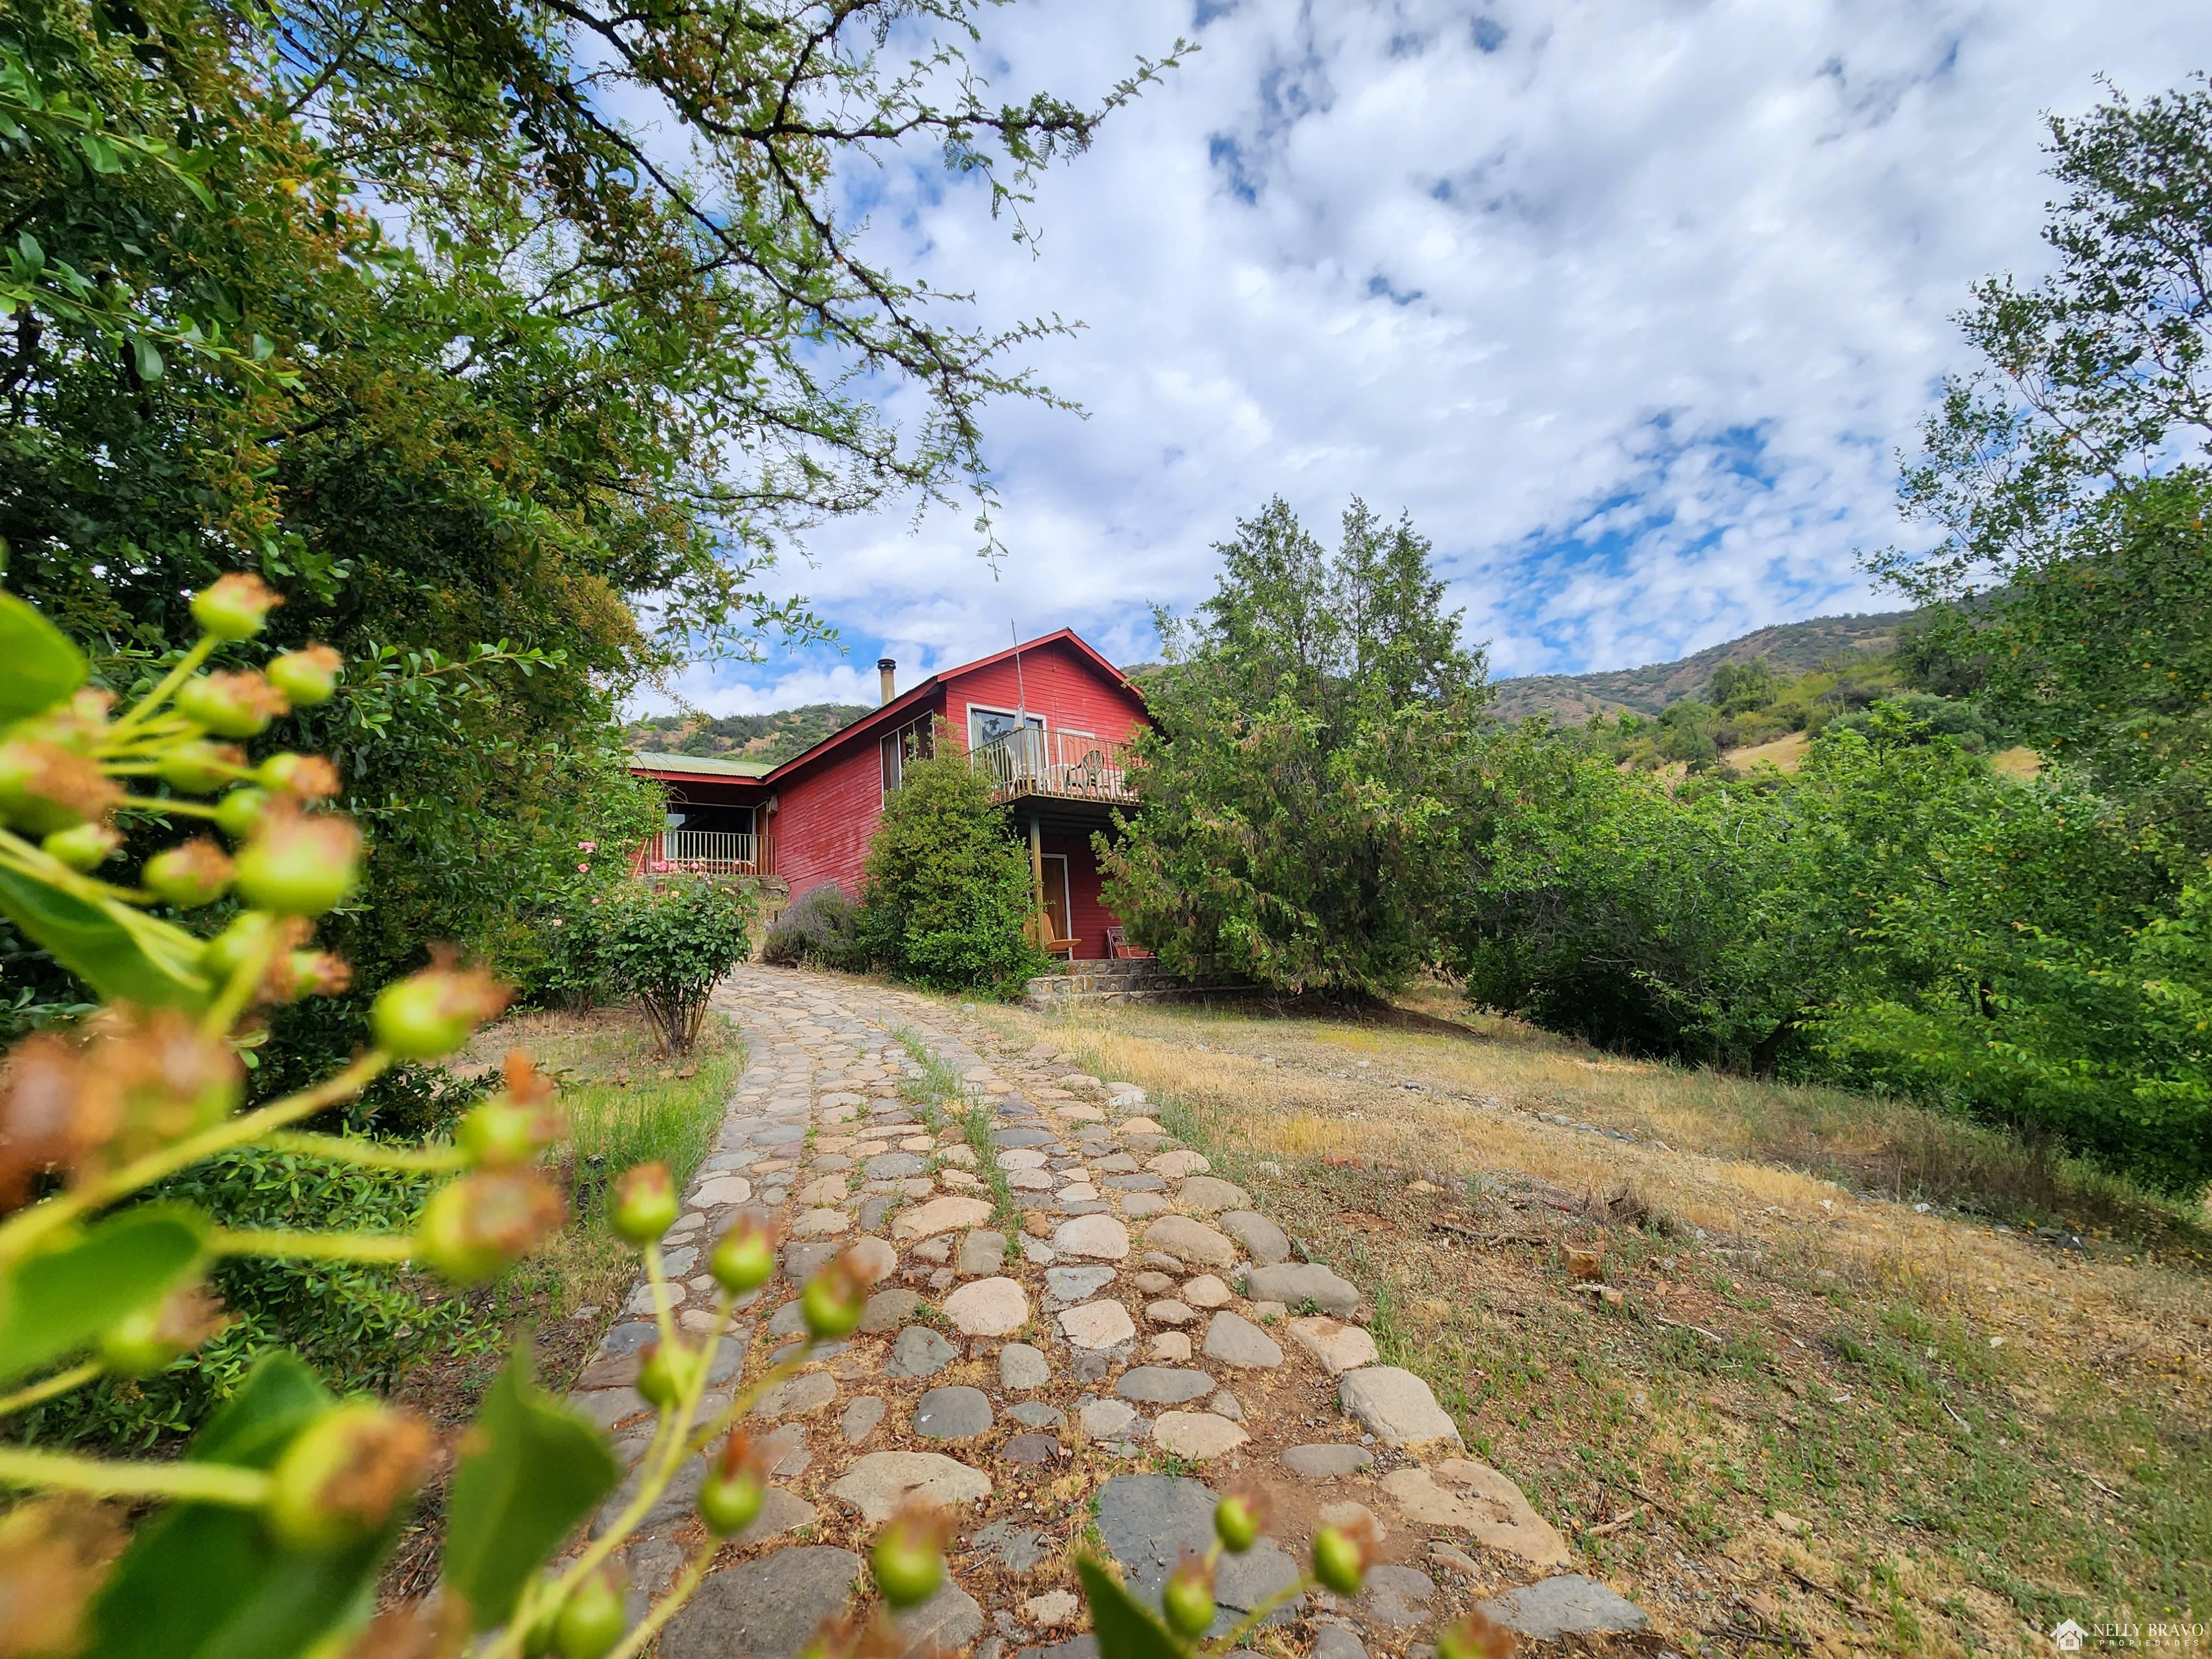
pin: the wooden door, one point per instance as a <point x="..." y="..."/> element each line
<point x="1055" y="895"/>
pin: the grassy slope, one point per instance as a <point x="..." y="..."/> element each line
<point x="1815" y="1410"/>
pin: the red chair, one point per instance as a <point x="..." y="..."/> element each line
<point x="1118" y="945"/>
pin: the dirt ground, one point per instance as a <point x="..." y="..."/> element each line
<point x="1794" y="1411"/>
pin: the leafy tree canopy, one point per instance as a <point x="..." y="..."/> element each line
<point x="1294" y="803"/>
<point x="508" y="340"/>
<point x="2071" y="471"/>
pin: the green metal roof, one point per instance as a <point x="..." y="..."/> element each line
<point x="700" y="765"/>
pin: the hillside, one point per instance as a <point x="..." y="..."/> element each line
<point x="771" y="738"/>
<point x="1794" y="648"/>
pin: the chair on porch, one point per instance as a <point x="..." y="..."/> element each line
<point x="1118" y="945"/>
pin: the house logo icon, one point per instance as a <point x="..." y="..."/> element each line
<point x="2068" y="1637"/>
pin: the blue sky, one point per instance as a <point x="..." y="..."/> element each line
<point x="1629" y="303"/>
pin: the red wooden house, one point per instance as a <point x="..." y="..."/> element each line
<point x="1050" y="721"/>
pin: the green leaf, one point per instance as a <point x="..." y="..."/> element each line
<point x="536" y="1473"/>
<point x="99" y="152"/>
<point x="57" y="1300"/>
<point x="148" y="356"/>
<point x="34" y="253"/>
<point x="203" y="1581"/>
<point x="1125" y="1627"/>
<point x="279" y="1397"/>
<point x="120" y="952"/>
<point x="43" y="667"/>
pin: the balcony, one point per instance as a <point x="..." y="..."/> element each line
<point x="1057" y="766"/>
<point x="707" y="852"/>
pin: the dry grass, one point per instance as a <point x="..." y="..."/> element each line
<point x="1785" y="753"/>
<point x="1982" y="1433"/>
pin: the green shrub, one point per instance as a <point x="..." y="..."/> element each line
<point x="667" y="943"/>
<point x="820" y="928"/>
<point x="946" y="899"/>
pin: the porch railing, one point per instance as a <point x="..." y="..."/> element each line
<point x="1061" y="764"/>
<point x="719" y="852"/>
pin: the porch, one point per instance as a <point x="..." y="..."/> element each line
<point x="704" y="852"/>
<point x="1060" y="766"/>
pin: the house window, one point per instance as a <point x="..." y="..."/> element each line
<point x="987" y="726"/>
<point x="916" y="740"/>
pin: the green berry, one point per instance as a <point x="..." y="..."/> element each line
<point x="83" y="846"/>
<point x="661" y="1373"/>
<point x="300" y="867"/>
<point x="500" y="1133"/>
<point x="1187" y="1601"/>
<point x="428" y="1015"/>
<point x="743" y="1261"/>
<point x="1234" y="1524"/>
<point x="197" y="767"/>
<point x="230" y="705"/>
<point x="306" y="677"/>
<point x="645" y="1203"/>
<point x="831" y="1304"/>
<point x="343" y="1475"/>
<point x="189" y="876"/>
<point x="730" y="1504"/>
<point x="544" y="1625"/>
<point x="235" y="607"/>
<point x="1336" y="1561"/>
<point x="476" y="1228"/>
<point x="227" y="953"/>
<point x="238" y="814"/>
<point x="591" y="1620"/>
<point x="908" y="1564"/>
<point x="134" y="1345"/>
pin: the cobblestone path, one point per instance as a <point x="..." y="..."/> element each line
<point x="1085" y="1379"/>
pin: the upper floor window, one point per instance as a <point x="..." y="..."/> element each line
<point x="916" y="740"/>
<point x="987" y="726"/>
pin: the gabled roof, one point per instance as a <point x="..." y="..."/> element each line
<point x="900" y="708"/>
<point x="697" y="766"/>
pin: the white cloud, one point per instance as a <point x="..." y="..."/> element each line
<point x="1630" y="304"/>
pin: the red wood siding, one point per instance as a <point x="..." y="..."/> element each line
<point x="1056" y="682"/>
<point x="824" y="820"/>
<point x="826" y="815"/>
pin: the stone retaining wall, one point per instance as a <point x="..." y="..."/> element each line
<point x="1131" y="979"/>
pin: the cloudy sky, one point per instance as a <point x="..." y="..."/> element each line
<point x="1629" y="303"/>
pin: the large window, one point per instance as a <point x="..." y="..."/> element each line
<point x="916" y="740"/>
<point x="987" y="726"/>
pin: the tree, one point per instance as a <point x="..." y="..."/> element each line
<point x="1293" y="810"/>
<point x="945" y="895"/>
<point x="2070" y="474"/>
<point x="542" y="440"/>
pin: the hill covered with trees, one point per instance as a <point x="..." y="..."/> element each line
<point x="771" y="736"/>
<point x="1792" y="648"/>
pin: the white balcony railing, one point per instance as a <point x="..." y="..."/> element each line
<point x="1061" y="764"/>
<point x="722" y="852"/>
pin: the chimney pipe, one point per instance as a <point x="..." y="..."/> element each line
<point x="886" y="678"/>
